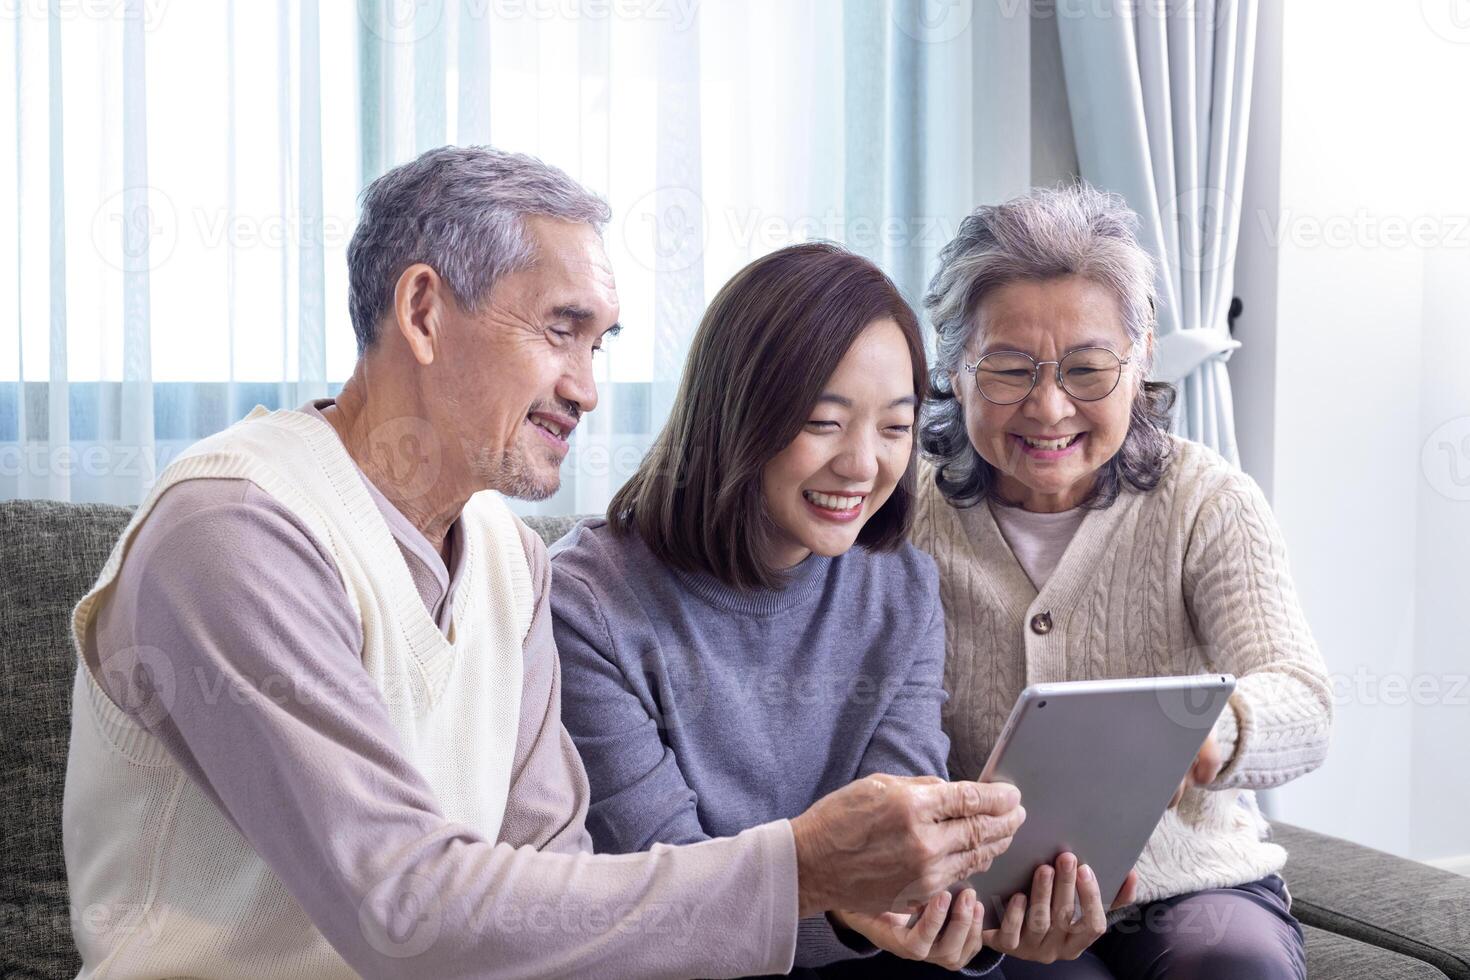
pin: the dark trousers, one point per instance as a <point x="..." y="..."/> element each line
<point x="1241" y="933"/>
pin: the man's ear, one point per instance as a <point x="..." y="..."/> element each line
<point x="419" y="299"/>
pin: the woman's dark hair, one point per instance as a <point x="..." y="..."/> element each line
<point x="1071" y="230"/>
<point x="767" y="346"/>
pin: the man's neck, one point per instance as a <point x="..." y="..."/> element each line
<point x="411" y="468"/>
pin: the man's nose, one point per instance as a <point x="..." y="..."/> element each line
<point x="578" y="386"/>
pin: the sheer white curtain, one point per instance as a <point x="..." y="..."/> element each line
<point x="1160" y="95"/>
<point x="185" y="175"/>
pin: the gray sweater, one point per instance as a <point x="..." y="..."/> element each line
<point x="701" y="710"/>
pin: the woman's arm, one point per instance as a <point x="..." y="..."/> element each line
<point x="910" y="741"/>
<point x="639" y="794"/>
<point x="910" y="738"/>
<point x="1240" y="596"/>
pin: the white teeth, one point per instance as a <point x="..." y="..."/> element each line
<point x="1050" y="443"/>
<point x="551" y="427"/>
<point x="830" y="502"/>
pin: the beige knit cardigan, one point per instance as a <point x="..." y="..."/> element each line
<point x="1190" y="577"/>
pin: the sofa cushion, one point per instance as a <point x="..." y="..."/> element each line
<point x="551" y="529"/>
<point x="1378" y="898"/>
<point x="51" y="554"/>
<point x="1334" y="957"/>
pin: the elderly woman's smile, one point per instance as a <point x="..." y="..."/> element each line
<point x="1047" y="443"/>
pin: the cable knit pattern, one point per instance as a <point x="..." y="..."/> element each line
<point x="1188" y="578"/>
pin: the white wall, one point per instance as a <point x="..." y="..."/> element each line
<point x="1355" y="275"/>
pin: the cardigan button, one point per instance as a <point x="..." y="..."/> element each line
<point x="1041" y="623"/>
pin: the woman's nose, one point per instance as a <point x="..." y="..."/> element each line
<point x="858" y="461"/>
<point x="1048" y="402"/>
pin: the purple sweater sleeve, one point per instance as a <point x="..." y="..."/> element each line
<point x="274" y="718"/>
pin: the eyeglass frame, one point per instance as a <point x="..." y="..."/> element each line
<point x="974" y="371"/>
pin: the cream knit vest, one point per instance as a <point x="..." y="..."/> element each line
<point x="1188" y="578"/>
<point x="188" y="895"/>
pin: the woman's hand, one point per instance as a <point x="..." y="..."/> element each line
<point x="1048" y="933"/>
<point x="1207" y="766"/>
<point x="948" y="932"/>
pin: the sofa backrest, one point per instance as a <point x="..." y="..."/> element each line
<point x="50" y="554"/>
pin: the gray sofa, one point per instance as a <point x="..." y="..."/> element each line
<point x="1367" y="914"/>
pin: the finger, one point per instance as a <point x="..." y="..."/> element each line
<point x="1128" y="891"/>
<point x="1207" y="767"/>
<point x="981" y="832"/>
<point x="1038" y="915"/>
<point x="965" y="798"/>
<point x="976" y="942"/>
<point x="1094" y="921"/>
<point x="1064" y="892"/>
<point x="961" y="864"/>
<point x="1007" y="938"/>
<point x="921" y="937"/>
<point x="951" y="944"/>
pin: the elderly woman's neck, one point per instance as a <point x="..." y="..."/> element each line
<point x="1016" y="494"/>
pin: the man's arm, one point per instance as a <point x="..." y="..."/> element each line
<point x="272" y="717"/>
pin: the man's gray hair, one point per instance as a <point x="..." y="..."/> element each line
<point x="1071" y="230"/>
<point x="459" y="210"/>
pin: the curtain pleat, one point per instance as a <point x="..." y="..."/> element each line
<point x="1160" y="97"/>
<point x="185" y="259"/>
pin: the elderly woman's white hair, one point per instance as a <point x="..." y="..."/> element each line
<point x="1074" y="229"/>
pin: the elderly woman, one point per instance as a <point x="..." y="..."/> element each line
<point x="1076" y="539"/>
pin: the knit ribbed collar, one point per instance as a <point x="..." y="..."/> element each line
<point x="803" y="585"/>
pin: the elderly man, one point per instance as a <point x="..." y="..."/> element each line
<point x="316" y="726"/>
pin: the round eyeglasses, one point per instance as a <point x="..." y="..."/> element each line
<point x="1087" y="374"/>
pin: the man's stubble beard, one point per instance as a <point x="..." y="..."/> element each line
<point x="511" y="474"/>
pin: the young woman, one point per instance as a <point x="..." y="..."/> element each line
<point x="749" y="628"/>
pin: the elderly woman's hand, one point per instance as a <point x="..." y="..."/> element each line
<point x="1049" y="933"/>
<point x="948" y="933"/>
<point x="1207" y="766"/>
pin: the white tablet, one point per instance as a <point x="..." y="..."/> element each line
<point x="1097" y="763"/>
